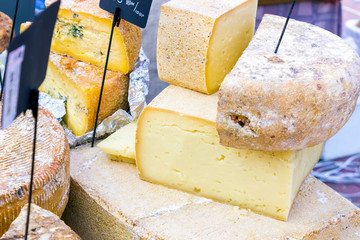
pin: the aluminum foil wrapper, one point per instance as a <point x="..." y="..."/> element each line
<point x="138" y="90"/>
<point x="55" y="106"/>
<point x="139" y="85"/>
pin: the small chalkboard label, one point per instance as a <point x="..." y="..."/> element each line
<point x="27" y="64"/>
<point x="13" y="73"/>
<point x="133" y="11"/>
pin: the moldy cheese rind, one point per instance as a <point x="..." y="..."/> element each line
<point x="291" y="100"/>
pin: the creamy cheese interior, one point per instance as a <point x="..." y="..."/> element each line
<point x="228" y="42"/>
<point x="121" y="144"/>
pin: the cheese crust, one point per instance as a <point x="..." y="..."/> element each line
<point x="294" y="99"/>
<point x="5" y="31"/>
<point x="43" y="225"/>
<point x="52" y="174"/>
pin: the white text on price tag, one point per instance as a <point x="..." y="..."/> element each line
<point x="12" y="84"/>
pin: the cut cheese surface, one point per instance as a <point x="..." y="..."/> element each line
<point x="52" y="173"/>
<point x="121" y="144"/>
<point x="109" y="201"/>
<point x="177" y="145"/>
<point x="294" y="99"/>
<point x="83" y="29"/>
<point x="199" y="42"/>
<point x="44" y="225"/>
<point x="79" y="84"/>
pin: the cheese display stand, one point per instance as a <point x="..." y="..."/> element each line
<point x="179" y="171"/>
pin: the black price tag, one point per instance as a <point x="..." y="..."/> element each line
<point x="27" y="64"/>
<point x="133" y="11"/>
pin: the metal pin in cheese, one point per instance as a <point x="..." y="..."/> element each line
<point x="294" y="99"/>
<point x="52" y="173"/>
<point x="79" y="84"/>
<point x="177" y="145"/>
<point x="83" y="29"/>
<point x="44" y="225"/>
<point x="129" y="208"/>
<point x="121" y="144"/>
<point x="200" y="41"/>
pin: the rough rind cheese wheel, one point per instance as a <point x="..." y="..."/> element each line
<point x="291" y="100"/>
<point x="52" y="173"/>
<point x="5" y="31"/>
<point x="43" y="225"/>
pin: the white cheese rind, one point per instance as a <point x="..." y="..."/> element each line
<point x="291" y="100"/>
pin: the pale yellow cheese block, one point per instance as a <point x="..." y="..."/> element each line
<point x="121" y="144"/>
<point x="177" y="145"/>
<point x="79" y="84"/>
<point x="44" y="225"/>
<point x="82" y="31"/>
<point x="200" y="41"/>
<point x="109" y="201"/>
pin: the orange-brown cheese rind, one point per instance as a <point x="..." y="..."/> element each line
<point x="5" y="31"/>
<point x="291" y="100"/>
<point x="79" y="84"/>
<point x="52" y="173"/>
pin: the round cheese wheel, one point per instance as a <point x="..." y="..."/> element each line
<point x="52" y="173"/>
<point x="5" y="31"/>
<point x="296" y="98"/>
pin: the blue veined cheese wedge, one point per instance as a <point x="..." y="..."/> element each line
<point x="177" y="145"/>
<point x="83" y="29"/>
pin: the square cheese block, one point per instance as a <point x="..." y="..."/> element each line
<point x="83" y="31"/>
<point x="121" y="144"/>
<point x="44" y="225"/>
<point x="115" y="204"/>
<point x="200" y="41"/>
<point x="79" y="84"/>
<point x="177" y="145"/>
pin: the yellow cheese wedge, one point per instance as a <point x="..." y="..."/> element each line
<point x="83" y="30"/>
<point x="79" y="84"/>
<point x="177" y="145"/>
<point x="200" y="41"/>
<point x="109" y="201"/>
<point x="121" y="144"/>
